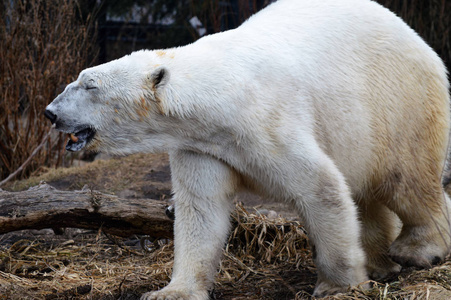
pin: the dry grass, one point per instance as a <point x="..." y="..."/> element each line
<point x="136" y="172"/>
<point x="264" y="259"/>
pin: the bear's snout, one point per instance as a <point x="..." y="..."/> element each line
<point x="79" y="135"/>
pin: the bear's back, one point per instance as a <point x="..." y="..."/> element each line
<point x="374" y="85"/>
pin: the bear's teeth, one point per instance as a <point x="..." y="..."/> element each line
<point x="73" y="138"/>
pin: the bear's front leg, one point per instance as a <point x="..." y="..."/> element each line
<point x="203" y="188"/>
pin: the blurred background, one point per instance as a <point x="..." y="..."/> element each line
<point x="44" y="44"/>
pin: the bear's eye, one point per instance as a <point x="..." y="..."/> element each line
<point x="90" y="85"/>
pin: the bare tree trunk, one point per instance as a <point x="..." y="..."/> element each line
<point x="45" y="207"/>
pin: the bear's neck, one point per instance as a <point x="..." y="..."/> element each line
<point x="201" y="81"/>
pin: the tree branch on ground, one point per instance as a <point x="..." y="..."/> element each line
<point x="46" y="207"/>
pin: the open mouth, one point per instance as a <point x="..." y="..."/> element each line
<point x="80" y="139"/>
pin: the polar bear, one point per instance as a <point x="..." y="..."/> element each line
<point x="336" y="107"/>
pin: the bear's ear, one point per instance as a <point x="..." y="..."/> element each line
<point x="158" y="77"/>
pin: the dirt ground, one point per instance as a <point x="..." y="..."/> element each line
<point x="267" y="256"/>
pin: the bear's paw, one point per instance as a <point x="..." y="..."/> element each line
<point x="169" y="293"/>
<point x="420" y="247"/>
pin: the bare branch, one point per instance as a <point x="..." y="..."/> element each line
<point x="27" y="161"/>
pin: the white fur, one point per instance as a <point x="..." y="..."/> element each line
<point x="324" y="104"/>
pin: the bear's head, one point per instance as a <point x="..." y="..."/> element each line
<point x="114" y="107"/>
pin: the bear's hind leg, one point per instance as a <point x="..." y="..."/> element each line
<point x="425" y="236"/>
<point x="379" y="230"/>
<point x="330" y="217"/>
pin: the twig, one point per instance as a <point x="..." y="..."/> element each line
<point x="35" y="151"/>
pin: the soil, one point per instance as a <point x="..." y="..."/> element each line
<point x="81" y="264"/>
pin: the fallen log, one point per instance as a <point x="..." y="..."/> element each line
<point x="46" y="207"/>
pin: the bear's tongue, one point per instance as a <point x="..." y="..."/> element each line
<point x="78" y="140"/>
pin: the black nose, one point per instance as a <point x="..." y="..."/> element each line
<point x="49" y="115"/>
